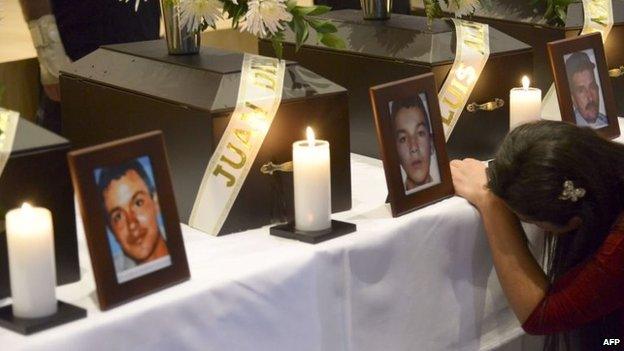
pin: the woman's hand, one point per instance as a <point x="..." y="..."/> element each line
<point x="519" y="274"/>
<point x="470" y="181"/>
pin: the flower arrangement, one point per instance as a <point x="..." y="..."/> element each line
<point x="460" y="8"/>
<point x="555" y="11"/>
<point x="263" y="18"/>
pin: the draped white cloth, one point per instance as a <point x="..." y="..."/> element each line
<point x="424" y="281"/>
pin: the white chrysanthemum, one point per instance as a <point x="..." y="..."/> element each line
<point x="264" y="17"/>
<point x="462" y="7"/>
<point x="194" y="12"/>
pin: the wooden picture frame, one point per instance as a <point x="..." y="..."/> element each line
<point x="130" y="217"/>
<point x="590" y="103"/>
<point x="404" y="143"/>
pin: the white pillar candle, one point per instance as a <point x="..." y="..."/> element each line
<point x="312" y="183"/>
<point x="32" y="269"/>
<point x="525" y="104"/>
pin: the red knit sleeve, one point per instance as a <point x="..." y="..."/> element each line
<point x="584" y="294"/>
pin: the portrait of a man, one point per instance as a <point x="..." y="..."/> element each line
<point x="132" y="214"/>
<point x="414" y="143"/>
<point x="582" y="75"/>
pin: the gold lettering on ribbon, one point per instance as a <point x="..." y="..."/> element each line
<point x="447" y="120"/>
<point x="455" y="94"/>
<point x="468" y="74"/>
<point x="239" y="152"/>
<point x="599" y="12"/>
<point x="244" y="136"/>
<point x="263" y="73"/>
<point x="230" y="178"/>
<point x="474" y="37"/>
<point x="598" y="17"/>
<point x="259" y="97"/>
<point x="471" y="54"/>
<point x="254" y="108"/>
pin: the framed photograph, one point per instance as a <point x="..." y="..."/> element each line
<point x="411" y="138"/>
<point x="130" y="217"/>
<point x="583" y="88"/>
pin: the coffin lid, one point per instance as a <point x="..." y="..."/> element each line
<point x="405" y="38"/>
<point x="30" y="138"/>
<point x="206" y="81"/>
<point x="524" y="12"/>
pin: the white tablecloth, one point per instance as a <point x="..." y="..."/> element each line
<point x="424" y="281"/>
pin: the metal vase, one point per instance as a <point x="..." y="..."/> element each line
<point x="180" y="41"/>
<point x="376" y="9"/>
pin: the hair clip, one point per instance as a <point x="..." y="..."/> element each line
<point x="570" y="192"/>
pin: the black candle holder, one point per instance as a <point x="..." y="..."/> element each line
<point x="289" y="231"/>
<point x="65" y="313"/>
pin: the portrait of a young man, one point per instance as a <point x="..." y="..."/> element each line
<point x="132" y="214"/>
<point x="414" y="143"/>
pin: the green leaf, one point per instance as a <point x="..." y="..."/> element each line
<point x="561" y="13"/>
<point x="319" y="10"/>
<point x="555" y="11"/>
<point x="485" y="4"/>
<point x="301" y="31"/>
<point x="291" y="25"/>
<point x="315" y="10"/>
<point x="290" y="5"/>
<point x="322" y="26"/>
<point x="277" y="41"/>
<point x="235" y="12"/>
<point x="332" y="41"/>
<point x="433" y="9"/>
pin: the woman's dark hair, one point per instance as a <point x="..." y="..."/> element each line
<point x="528" y="173"/>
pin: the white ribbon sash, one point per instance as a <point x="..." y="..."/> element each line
<point x="8" y="127"/>
<point x="472" y="53"/>
<point x="598" y="17"/>
<point x="259" y="97"/>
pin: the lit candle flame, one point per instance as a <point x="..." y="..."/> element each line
<point x="26" y="206"/>
<point x="525" y="82"/>
<point x="310" y="136"/>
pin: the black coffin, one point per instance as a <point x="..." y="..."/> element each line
<point x="398" y="6"/>
<point x="123" y="90"/>
<point x="37" y="173"/>
<point x="404" y="46"/>
<point x="520" y="20"/>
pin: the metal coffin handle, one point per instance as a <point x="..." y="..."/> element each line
<point x="616" y="72"/>
<point x="270" y="168"/>
<point x="488" y="106"/>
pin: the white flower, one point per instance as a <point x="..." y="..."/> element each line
<point x="194" y="12"/>
<point x="136" y="4"/>
<point x="462" y="7"/>
<point x="264" y="17"/>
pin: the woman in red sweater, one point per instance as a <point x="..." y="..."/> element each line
<point x="570" y="182"/>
